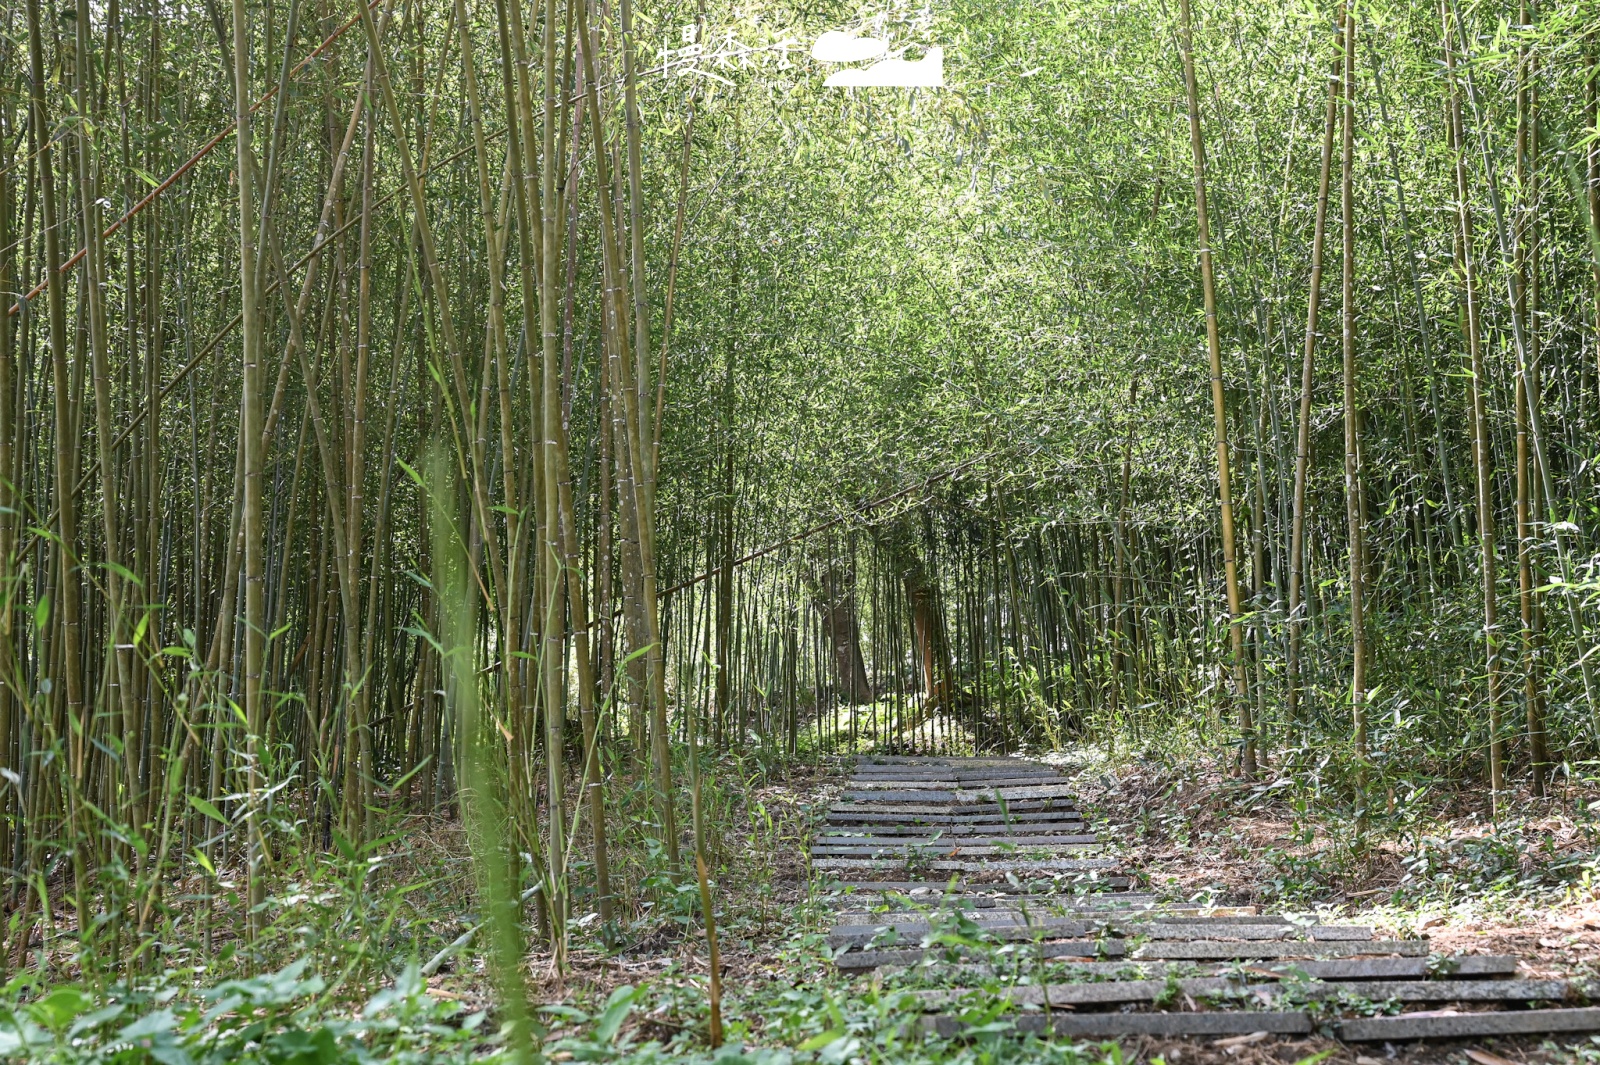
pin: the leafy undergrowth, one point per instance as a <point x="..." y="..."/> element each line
<point x="802" y="1013"/>
<point x="1422" y="859"/>
<point x="350" y="981"/>
<point x="355" y="962"/>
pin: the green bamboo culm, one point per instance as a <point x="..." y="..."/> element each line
<point x="481" y="773"/>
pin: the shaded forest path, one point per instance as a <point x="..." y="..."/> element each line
<point x="960" y="873"/>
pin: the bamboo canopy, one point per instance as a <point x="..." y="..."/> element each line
<point x="500" y="414"/>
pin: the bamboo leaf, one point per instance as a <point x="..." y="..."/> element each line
<point x="206" y="808"/>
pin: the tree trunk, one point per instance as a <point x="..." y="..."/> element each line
<point x="836" y="603"/>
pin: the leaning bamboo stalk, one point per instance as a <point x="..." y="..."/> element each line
<point x="472" y="458"/>
<point x="177" y="175"/>
<point x="1425" y="331"/>
<point x="10" y="721"/>
<point x="1557" y="527"/>
<point x="1302" y="458"/>
<point x="1354" y="509"/>
<point x="572" y="568"/>
<point x="93" y="295"/>
<point x="253" y="462"/>
<point x="636" y="226"/>
<point x="552" y="550"/>
<point x="1218" y="398"/>
<point x="678" y="216"/>
<point x="357" y="682"/>
<point x="495" y="254"/>
<point x="1527" y="254"/>
<point x="68" y="652"/>
<point x="1476" y="383"/>
<point x="633" y="428"/>
<point x="1591" y="111"/>
<point x="524" y="196"/>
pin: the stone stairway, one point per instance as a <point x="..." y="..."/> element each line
<point x="962" y="870"/>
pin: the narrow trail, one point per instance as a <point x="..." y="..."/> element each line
<point x="948" y="862"/>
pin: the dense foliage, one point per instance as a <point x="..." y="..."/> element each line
<point x="470" y="415"/>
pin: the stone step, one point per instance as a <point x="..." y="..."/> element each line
<point x="957" y="796"/>
<point x="871" y="782"/>
<point x="1441" y="1024"/>
<point x="954" y="850"/>
<point x="941" y="759"/>
<point x="1213" y="950"/>
<point x="1034" y="827"/>
<point x="1059" y="927"/>
<point x="1014" y="813"/>
<point x="1115" y="992"/>
<point x="1104" y="1025"/>
<point x="1341" y="969"/>
<point x="1131" y="918"/>
<point x="1165" y="950"/>
<point x="1052" y="888"/>
<point x="947" y="842"/>
<point x="863" y="960"/>
<point x="957" y="865"/>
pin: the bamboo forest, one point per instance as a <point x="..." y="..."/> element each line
<point x="857" y="531"/>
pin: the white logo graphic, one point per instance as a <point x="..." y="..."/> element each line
<point x="837" y="47"/>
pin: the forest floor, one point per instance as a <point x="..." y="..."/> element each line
<point x="1428" y="862"/>
<point x="1434" y="864"/>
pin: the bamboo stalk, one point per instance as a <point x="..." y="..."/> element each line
<point x="1218" y="399"/>
<point x="1302" y="460"/>
<point x="1527" y="394"/>
<point x="1354" y="508"/>
<point x="1477" y="382"/>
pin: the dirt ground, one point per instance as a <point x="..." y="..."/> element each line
<point x="1186" y="835"/>
<point x="1199" y="835"/>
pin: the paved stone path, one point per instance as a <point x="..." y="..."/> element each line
<point x="944" y="862"/>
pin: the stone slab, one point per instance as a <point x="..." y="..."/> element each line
<point x="873" y="839"/>
<point x="1339" y="969"/>
<point x="1040" y="829"/>
<point x="1101" y="1025"/>
<point x="935" y="815"/>
<point x="1431" y="1025"/>
<point x="859" y="960"/>
<point x="871" y="781"/>
<point x="940" y="759"/>
<point x="1121" y="991"/>
<point x="1048" y="927"/>
<point x="956" y="865"/>
<point x="1108" y="888"/>
<point x="1212" y="950"/>
<point x="954" y="850"/>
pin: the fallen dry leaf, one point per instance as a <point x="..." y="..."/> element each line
<point x="1240" y="1040"/>
<point x="1577" y="922"/>
<point x="1483" y="1057"/>
<point x="1363" y="1059"/>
